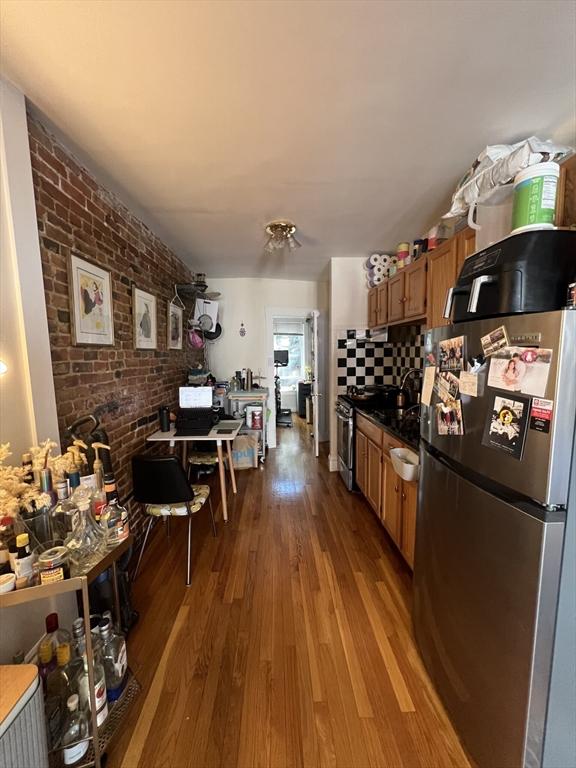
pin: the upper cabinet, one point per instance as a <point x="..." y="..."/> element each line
<point x="418" y="292"/>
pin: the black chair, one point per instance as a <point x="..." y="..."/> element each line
<point x="161" y="486"/>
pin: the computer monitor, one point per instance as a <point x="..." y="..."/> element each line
<point x="280" y="357"/>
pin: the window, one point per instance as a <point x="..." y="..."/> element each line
<point x="294" y="371"/>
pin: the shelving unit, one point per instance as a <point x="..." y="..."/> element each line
<point x="253" y="397"/>
<point x="118" y="709"/>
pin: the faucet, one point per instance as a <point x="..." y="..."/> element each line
<point x="408" y="373"/>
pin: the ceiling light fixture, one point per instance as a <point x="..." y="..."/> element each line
<point x="281" y="236"/>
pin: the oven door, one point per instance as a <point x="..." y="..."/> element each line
<point x="345" y="445"/>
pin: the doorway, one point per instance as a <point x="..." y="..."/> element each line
<point x="296" y="366"/>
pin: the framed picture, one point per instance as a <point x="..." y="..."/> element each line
<point x="175" y="326"/>
<point x="144" y="316"/>
<point x="90" y="303"/>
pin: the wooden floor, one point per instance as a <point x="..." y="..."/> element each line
<point x="292" y="647"/>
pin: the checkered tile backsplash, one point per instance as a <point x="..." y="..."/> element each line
<point x="362" y="362"/>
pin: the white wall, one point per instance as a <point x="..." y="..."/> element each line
<point x="27" y="398"/>
<point x="245" y="300"/>
<point x="348" y="309"/>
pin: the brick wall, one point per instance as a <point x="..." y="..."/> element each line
<point x="122" y="385"/>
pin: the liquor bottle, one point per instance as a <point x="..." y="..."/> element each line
<point x="100" y="691"/>
<point x="54" y="634"/>
<point x="60" y="685"/>
<point x="86" y="543"/>
<point x="46" y="659"/>
<point x="46" y="485"/>
<point x="23" y="565"/>
<point x="73" y="480"/>
<point x="114" y="658"/>
<point x="75" y="737"/>
<point x="64" y="513"/>
<point x="110" y="487"/>
<point x="114" y="521"/>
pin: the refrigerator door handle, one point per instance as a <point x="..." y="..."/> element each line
<point x="448" y="305"/>
<point x="477" y="284"/>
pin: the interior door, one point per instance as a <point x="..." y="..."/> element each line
<point x="485" y="587"/>
<point x="317" y="403"/>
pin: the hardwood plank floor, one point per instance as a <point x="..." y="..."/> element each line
<point x="292" y="647"/>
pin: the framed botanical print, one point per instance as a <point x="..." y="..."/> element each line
<point x="175" y="325"/>
<point x="144" y="316"/>
<point x="90" y="302"/>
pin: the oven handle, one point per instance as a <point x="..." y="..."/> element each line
<point x="343" y="418"/>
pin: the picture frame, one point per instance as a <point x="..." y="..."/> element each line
<point x="144" y="318"/>
<point x="91" y="308"/>
<point x="175" y="326"/>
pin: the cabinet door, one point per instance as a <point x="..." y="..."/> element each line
<point x="383" y="303"/>
<point x="392" y="508"/>
<point x="466" y="247"/>
<point x="409" y="506"/>
<point x="415" y="289"/>
<point x="372" y="307"/>
<point x="396" y="297"/>
<point x="441" y="277"/>
<point x="361" y="445"/>
<point x="374" y="476"/>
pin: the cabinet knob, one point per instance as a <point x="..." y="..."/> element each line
<point x="404" y="299"/>
<point x="396" y="488"/>
<point x="403" y="496"/>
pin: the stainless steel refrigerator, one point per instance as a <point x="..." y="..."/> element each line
<point x="490" y="535"/>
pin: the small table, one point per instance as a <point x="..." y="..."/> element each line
<point x="224" y="431"/>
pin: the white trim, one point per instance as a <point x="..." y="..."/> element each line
<point x="20" y="214"/>
<point x="270" y="314"/>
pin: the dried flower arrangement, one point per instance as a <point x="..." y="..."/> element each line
<point x="15" y="492"/>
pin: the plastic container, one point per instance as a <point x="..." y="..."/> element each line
<point x="493" y="217"/>
<point x="535" y="197"/>
<point x="406" y="463"/>
<point x="7" y="582"/>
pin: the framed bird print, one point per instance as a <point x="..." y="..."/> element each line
<point x="144" y="315"/>
<point x="91" y="311"/>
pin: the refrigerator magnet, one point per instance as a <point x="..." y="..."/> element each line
<point x="506" y="423"/>
<point x="494" y="340"/>
<point x="451" y="354"/>
<point x="427" y="385"/>
<point x="520" y="369"/>
<point x="469" y="384"/>
<point x="449" y="418"/>
<point x="446" y="386"/>
<point x="541" y="414"/>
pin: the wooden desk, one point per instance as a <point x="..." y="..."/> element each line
<point x="223" y="432"/>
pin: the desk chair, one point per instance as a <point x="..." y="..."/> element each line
<point x="161" y="486"/>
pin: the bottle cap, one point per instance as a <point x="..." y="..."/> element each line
<point x="26" y="458"/>
<point x="22" y="540"/>
<point x="51" y="623"/>
<point x="73" y="702"/>
<point x="105" y="628"/>
<point x="63" y="654"/>
<point x="78" y="628"/>
<point x="45" y="651"/>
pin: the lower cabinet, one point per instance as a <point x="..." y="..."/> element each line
<point x="394" y="500"/>
<point x="361" y="460"/>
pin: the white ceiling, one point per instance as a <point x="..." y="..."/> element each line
<point x="354" y="119"/>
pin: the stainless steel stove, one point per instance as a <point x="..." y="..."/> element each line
<point x="345" y="433"/>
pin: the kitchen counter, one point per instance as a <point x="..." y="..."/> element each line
<point x="405" y="428"/>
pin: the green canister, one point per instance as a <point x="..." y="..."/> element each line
<point x="535" y="197"/>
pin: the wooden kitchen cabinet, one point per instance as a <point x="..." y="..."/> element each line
<point x="415" y="289"/>
<point x="409" y="506"/>
<point x="361" y="448"/>
<point x="382" y="308"/>
<point x="374" y="476"/>
<point x="372" y="307"/>
<point x="466" y="247"/>
<point x="392" y="503"/>
<point x="396" y="297"/>
<point x="441" y="277"/>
